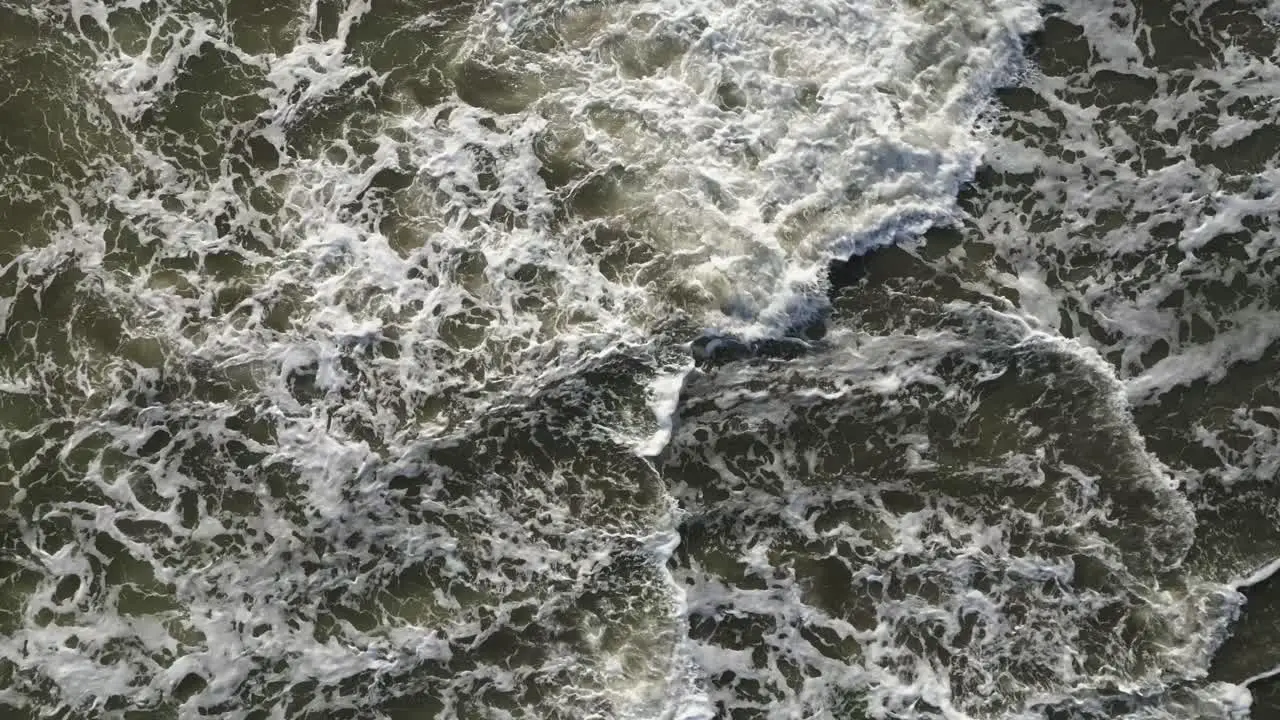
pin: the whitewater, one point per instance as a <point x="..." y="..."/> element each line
<point x="403" y="359"/>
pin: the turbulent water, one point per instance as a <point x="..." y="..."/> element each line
<point x="403" y="359"/>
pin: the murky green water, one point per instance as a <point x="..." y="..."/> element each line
<point x="398" y="359"/>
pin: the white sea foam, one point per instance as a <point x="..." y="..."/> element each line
<point x="437" y="401"/>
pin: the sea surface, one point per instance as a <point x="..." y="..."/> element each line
<point x="640" y="359"/>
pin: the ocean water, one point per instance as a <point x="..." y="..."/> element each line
<point x="403" y="359"/>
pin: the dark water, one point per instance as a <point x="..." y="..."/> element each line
<point x="407" y="360"/>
